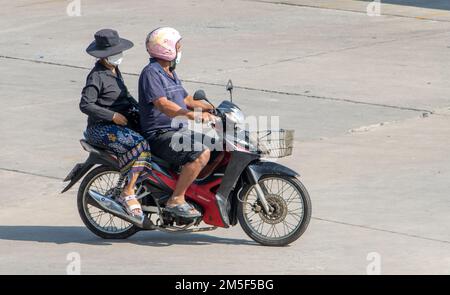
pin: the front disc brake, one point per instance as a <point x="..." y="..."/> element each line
<point x="278" y="212"/>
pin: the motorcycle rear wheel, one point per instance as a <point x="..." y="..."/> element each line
<point x="92" y="216"/>
<point x="266" y="228"/>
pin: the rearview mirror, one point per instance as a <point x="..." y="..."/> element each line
<point x="230" y="89"/>
<point x="200" y="95"/>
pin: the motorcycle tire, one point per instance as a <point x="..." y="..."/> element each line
<point x="299" y="230"/>
<point x="81" y="201"/>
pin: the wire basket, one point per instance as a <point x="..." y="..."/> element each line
<point x="275" y="143"/>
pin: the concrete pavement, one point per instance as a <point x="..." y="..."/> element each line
<point x="367" y="96"/>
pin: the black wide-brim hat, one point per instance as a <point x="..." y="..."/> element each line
<point x="107" y="42"/>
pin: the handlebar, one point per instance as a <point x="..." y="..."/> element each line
<point x="211" y="124"/>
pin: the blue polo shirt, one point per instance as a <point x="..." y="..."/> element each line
<point x="154" y="83"/>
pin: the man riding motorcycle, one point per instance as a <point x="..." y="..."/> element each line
<point x="161" y="99"/>
<point x="238" y="184"/>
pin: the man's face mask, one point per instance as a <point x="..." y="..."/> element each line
<point x="115" y="60"/>
<point x="178" y="58"/>
<point x="176" y="61"/>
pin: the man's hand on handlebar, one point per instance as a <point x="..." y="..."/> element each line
<point x="208" y="117"/>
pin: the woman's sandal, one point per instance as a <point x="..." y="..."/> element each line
<point x="183" y="210"/>
<point x="130" y="206"/>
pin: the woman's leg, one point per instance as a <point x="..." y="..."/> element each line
<point x="133" y="155"/>
<point x="133" y="163"/>
<point x="129" y="190"/>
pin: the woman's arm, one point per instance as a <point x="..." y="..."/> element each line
<point x="89" y="98"/>
<point x="132" y="100"/>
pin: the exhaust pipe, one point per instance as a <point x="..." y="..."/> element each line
<point x="111" y="206"/>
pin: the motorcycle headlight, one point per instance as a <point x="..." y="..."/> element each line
<point x="236" y="116"/>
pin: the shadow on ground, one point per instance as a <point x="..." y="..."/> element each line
<point x="433" y="4"/>
<point x="81" y="235"/>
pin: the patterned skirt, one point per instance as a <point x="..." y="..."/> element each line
<point x="132" y="150"/>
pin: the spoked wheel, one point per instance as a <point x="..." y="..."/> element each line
<point x="289" y="214"/>
<point x="105" y="181"/>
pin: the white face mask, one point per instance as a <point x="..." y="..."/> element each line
<point x="178" y="58"/>
<point x="175" y="62"/>
<point x="115" y="60"/>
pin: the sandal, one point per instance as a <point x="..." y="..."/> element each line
<point x="130" y="208"/>
<point x="183" y="210"/>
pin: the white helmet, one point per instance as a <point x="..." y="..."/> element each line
<point x="161" y="43"/>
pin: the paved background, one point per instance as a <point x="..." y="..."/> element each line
<point x="367" y="96"/>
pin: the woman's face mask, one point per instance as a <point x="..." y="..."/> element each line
<point x="115" y="60"/>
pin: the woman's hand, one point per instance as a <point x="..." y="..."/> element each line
<point x="119" y="119"/>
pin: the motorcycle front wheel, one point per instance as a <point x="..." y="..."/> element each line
<point x="288" y="218"/>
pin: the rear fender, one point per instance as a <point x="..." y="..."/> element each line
<point x="80" y="169"/>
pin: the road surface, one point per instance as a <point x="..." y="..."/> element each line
<point x="368" y="97"/>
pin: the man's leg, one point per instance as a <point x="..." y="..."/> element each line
<point x="188" y="174"/>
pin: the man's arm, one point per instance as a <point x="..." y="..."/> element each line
<point x="172" y="110"/>
<point x="194" y="104"/>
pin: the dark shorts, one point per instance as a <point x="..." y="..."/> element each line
<point x="179" y="147"/>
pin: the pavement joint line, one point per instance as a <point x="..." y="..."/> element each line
<point x="339" y="50"/>
<point x="420" y="18"/>
<point x="442" y="114"/>
<point x="317" y="54"/>
<point x="318" y="97"/>
<point x="37" y="3"/>
<point x="30" y="173"/>
<point x="381" y="230"/>
<point x="32" y="25"/>
<point x="316" y="218"/>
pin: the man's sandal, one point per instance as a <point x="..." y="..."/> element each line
<point x="130" y="206"/>
<point x="183" y="210"/>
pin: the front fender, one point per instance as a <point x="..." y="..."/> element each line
<point x="261" y="168"/>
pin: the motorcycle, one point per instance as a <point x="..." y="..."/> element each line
<point x="268" y="200"/>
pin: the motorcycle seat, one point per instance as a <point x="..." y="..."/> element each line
<point x="93" y="148"/>
<point x="100" y="150"/>
<point x="161" y="162"/>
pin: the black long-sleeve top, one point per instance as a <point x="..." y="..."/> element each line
<point x="105" y="94"/>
